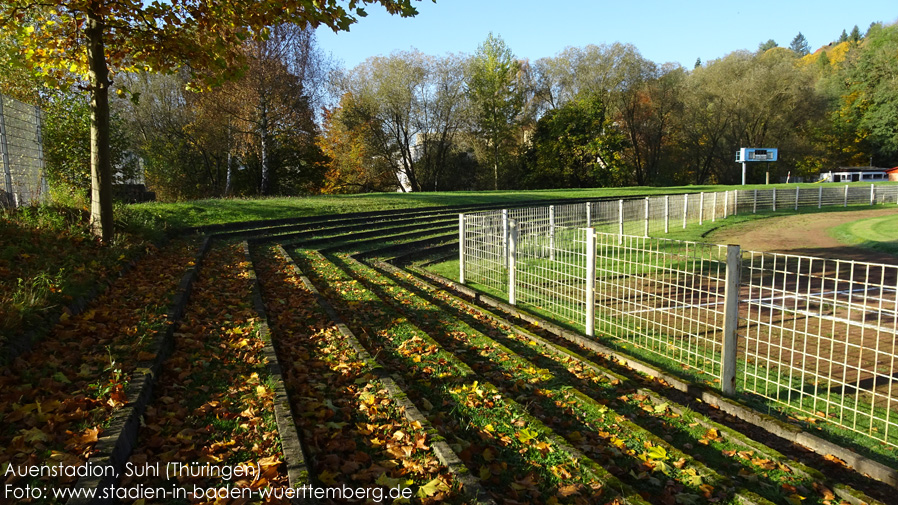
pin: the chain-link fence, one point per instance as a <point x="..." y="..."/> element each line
<point x="818" y="335"/>
<point x="21" y="154"/>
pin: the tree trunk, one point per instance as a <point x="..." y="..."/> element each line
<point x="263" y="127"/>
<point x="496" y="164"/>
<point x="100" y="160"/>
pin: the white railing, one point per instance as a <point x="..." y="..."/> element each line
<point x="817" y="335"/>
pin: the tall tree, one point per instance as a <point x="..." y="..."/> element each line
<point x="868" y="102"/>
<point x="351" y="166"/>
<point x="88" y="40"/>
<point x="764" y="46"/>
<point x="576" y="146"/>
<point x="800" y="45"/>
<point x="415" y="104"/>
<point x="269" y="107"/>
<point x="497" y="97"/>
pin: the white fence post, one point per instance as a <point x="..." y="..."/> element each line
<point x="774" y="199"/>
<point x="552" y="232"/>
<point x="620" y="221"/>
<point x="685" y="209"/>
<point x="591" y="282"/>
<point x="845" y="204"/>
<point x="735" y="202"/>
<point x="714" y="208"/>
<point x="647" y="216"/>
<point x="505" y="237"/>
<point x="730" y="320"/>
<point x="588" y="214"/>
<point x="512" y="260"/>
<point x="820" y="197"/>
<point x="461" y="248"/>
<point x="726" y="204"/>
<point x="754" y="206"/>
<point x="796" y="197"/>
<point x="666" y="213"/>
<point x="701" y="207"/>
<point x="872" y="194"/>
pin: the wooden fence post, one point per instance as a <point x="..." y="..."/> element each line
<point x="730" y="320"/>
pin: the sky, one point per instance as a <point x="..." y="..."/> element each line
<point x="662" y="31"/>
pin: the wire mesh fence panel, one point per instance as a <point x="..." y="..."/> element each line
<point x="819" y="335"/>
<point x="571" y="215"/>
<point x="535" y="223"/>
<point x="21" y="154"/>
<point x="605" y="216"/>
<point x="485" y="252"/>
<point x="656" y="216"/>
<point x="664" y="296"/>
<point x="556" y="283"/>
<point x="886" y="194"/>
<point x="634" y="217"/>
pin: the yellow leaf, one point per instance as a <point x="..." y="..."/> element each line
<point x="327" y="477"/>
<point x="35" y="435"/>
<point x="431" y="488"/>
<point x="795" y="499"/>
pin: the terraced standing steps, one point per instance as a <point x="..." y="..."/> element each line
<point x="351" y="373"/>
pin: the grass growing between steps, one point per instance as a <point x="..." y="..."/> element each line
<point x="355" y="434"/>
<point x="213" y="402"/>
<point x="609" y="409"/>
<point x="55" y="401"/>
<point x="514" y="455"/>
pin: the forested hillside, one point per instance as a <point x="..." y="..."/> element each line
<point x="294" y="122"/>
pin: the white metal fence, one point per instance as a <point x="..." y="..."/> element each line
<point x="818" y="335"/>
<point x="21" y="154"/>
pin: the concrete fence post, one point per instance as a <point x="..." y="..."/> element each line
<point x="774" y="199"/>
<point x="461" y="248"/>
<point x="714" y="208"/>
<point x="685" y="209"/>
<point x="735" y="202"/>
<point x="512" y="260"/>
<point x="646" y="216"/>
<point x="701" y="207"/>
<point x="872" y="194"/>
<point x="754" y="206"/>
<point x="666" y="213"/>
<point x="730" y="320"/>
<point x="820" y="197"/>
<point x="796" y="197"/>
<point x="845" y="204"/>
<point x="620" y="221"/>
<point x="588" y="214"/>
<point x="591" y="282"/>
<point x="726" y="204"/>
<point x="552" y="232"/>
<point x="505" y="237"/>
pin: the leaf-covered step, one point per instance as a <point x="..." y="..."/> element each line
<point x="457" y="409"/>
<point x="349" y="417"/>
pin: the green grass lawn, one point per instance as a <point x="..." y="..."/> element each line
<point x="217" y="211"/>
<point x="878" y="233"/>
